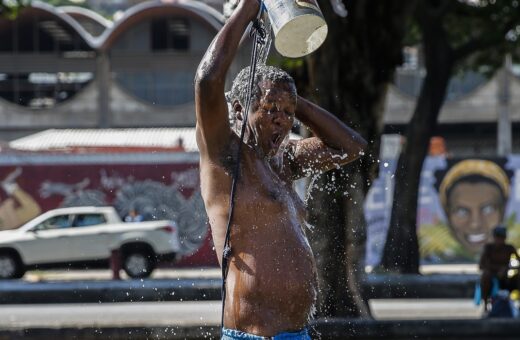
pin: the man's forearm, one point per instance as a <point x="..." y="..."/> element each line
<point x="220" y="54"/>
<point x="329" y="128"/>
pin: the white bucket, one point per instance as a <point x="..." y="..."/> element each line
<point x="298" y="26"/>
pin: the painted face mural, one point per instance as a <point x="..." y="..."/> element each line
<point x="153" y="188"/>
<point x="460" y="202"/>
<point x="474" y="194"/>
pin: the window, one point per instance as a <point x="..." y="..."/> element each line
<point x="159" y="88"/>
<point x="38" y="39"/>
<point x="170" y="34"/>
<point x="39" y="90"/>
<point x="55" y="222"/>
<point x="40" y="35"/>
<point x="85" y="220"/>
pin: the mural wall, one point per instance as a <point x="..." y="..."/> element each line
<point x="460" y="202"/>
<point x="156" y="190"/>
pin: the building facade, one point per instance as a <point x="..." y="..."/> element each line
<point x="70" y="68"/>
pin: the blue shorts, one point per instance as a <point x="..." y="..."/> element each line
<point x="231" y="334"/>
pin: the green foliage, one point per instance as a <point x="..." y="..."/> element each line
<point x="479" y="32"/>
<point x="11" y="8"/>
<point x="58" y="3"/>
<point x="490" y="30"/>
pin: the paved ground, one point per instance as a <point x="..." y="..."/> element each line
<point x="450" y="269"/>
<point x="68" y="275"/>
<point x="166" y="273"/>
<point x="111" y="314"/>
<point x="201" y="313"/>
<point x="417" y="309"/>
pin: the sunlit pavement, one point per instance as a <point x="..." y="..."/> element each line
<point x="418" y="309"/>
<point x="450" y="269"/>
<point x="201" y="313"/>
<point x="111" y="314"/>
<point x="193" y="273"/>
<point x="106" y="274"/>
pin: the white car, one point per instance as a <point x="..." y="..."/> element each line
<point x="86" y="237"/>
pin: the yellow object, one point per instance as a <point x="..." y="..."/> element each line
<point x="469" y="167"/>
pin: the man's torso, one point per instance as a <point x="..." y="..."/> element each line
<point x="272" y="274"/>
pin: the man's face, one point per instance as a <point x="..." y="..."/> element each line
<point x="474" y="209"/>
<point x="272" y="116"/>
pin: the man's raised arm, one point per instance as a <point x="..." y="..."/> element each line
<point x="334" y="144"/>
<point x="213" y="128"/>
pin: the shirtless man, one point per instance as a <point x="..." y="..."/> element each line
<point x="271" y="285"/>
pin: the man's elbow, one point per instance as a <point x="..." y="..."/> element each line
<point x="202" y="81"/>
<point x="362" y="145"/>
<point x="206" y="80"/>
<point x="359" y="147"/>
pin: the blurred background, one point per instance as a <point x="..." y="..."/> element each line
<point x="97" y="109"/>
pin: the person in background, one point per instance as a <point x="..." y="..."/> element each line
<point x="133" y="216"/>
<point x="494" y="264"/>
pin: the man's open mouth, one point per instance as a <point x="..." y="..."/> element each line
<point x="276" y="139"/>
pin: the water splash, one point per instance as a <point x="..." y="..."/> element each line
<point x="339" y="8"/>
<point x="263" y="50"/>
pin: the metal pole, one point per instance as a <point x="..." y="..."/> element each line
<point x="504" y="138"/>
<point x="103" y="82"/>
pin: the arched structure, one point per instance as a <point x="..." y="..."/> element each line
<point x="135" y="72"/>
<point x="91" y="21"/>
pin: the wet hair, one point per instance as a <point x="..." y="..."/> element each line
<point x="263" y="72"/>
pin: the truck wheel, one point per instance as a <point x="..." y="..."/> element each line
<point x="10" y="266"/>
<point x="138" y="263"/>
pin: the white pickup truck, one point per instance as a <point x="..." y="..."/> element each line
<point x="85" y="237"/>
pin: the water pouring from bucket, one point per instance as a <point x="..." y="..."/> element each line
<point x="298" y="25"/>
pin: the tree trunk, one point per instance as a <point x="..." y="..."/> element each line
<point x="350" y="74"/>
<point x="326" y="218"/>
<point x="401" y="251"/>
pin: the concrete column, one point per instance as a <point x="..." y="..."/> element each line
<point x="103" y="85"/>
<point x="504" y="138"/>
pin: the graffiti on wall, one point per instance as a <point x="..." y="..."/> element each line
<point x="18" y="206"/>
<point x="460" y="202"/>
<point x="158" y="191"/>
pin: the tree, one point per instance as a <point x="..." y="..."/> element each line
<point x="454" y="35"/>
<point x="11" y="8"/>
<point x="349" y="75"/>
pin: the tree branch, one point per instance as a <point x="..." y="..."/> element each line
<point x="481" y="43"/>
